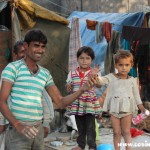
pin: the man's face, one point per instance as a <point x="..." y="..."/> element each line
<point x="35" y="51"/>
<point x="21" y="52"/>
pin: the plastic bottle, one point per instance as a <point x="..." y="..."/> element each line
<point x="139" y="118"/>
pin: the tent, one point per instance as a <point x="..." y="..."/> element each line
<point x="18" y="17"/>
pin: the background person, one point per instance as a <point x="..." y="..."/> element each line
<point x="19" y="50"/>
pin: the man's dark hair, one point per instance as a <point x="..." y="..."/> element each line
<point x="85" y="49"/>
<point x="35" y="35"/>
<point x="16" y="46"/>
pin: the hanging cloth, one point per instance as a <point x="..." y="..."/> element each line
<point x="74" y="43"/>
<point x="113" y="47"/>
<point x="99" y="35"/>
<point x="142" y="51"/>
<point x="106" y="30"/>
<point x="136" y="34"/>
<point x="91" y="24"/>
<point x="126" y="46"/>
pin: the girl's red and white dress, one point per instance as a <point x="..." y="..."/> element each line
<point x="87" y="103"/>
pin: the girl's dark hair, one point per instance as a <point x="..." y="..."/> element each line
<point x="35" y="35"/>
<point x="85" y="49"/>
<point x="121" y="54"/>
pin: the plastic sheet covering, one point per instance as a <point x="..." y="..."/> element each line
<point x="29" y="11"/>
<point x="118" y="20"/>
<point x="16" y="27"/>
<point x="3" y="4"/>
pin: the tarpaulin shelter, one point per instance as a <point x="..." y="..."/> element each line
<point x="88" y="37"/>
<point x="135" y="20"/>
<point x="21" y="15"/>
<point x="118" y="20"/>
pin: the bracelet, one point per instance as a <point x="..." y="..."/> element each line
<point x="16" y="124"/>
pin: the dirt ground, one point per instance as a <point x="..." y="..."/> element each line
<point x="105" y="136"/>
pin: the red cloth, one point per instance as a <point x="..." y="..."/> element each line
<point x="91" y="24"/>
<point x="106" y="30"/>
<point x="135" y="132"/>
<point x="81" y="74"/>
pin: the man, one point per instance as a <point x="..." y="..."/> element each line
<point x="25" y="80"/>
<point x="48" y="112"/>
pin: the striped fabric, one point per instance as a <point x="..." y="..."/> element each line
<point x="27" y="90"/>
<point x="87" y="103"/>
<point x="74" y="43"/>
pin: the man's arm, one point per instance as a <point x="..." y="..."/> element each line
<point x="4" y="94"/>
<point x="62" y="102"/>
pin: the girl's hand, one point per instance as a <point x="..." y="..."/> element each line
<point x="94" y="75"/>
<point x="94" y="71"/>
<point x="142" y="108"/>
<point x="69" y="87"/>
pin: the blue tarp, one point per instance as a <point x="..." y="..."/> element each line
<point x="117" y="19"/>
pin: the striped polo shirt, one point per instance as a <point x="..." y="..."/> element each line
<point x="27" y="88"/>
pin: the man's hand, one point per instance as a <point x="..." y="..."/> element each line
<point x="89" y="84"/>
<point x="29" y="131"/>
<point x="46" y="132"/>
<point x="69" y="87"/>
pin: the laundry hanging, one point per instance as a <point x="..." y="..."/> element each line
<point x="136" y="33"/>
<point x="140" y="40"/>
<point x="74" y="44"/>
<point x="104" y="29"/>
